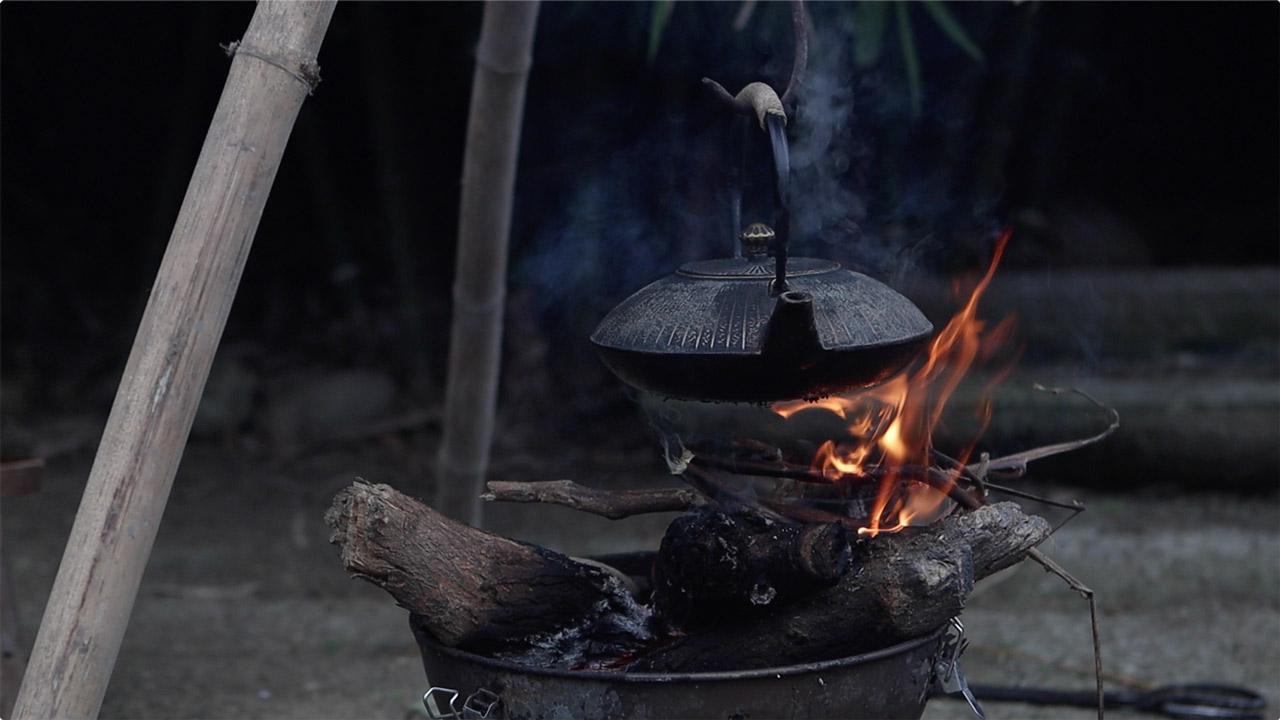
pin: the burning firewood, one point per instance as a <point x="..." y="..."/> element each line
<point x="902" y="586"/>
<point x="714" y="564"/>
<point x="741" y="588"/>
<point x="472" y="589"/>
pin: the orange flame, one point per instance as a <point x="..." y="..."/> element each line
<point x="891" y="426"/>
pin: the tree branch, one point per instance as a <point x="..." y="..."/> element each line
<point x="612" y="504"/>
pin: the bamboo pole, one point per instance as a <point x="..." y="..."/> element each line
<point x="84" y="621"/>
<point x="503" y="58"/>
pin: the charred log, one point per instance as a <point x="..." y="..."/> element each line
<point x="472" y="589"/>
<point x="714" y="566"/>
<point x="902" y="586"/>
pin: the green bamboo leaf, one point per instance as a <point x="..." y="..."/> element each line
<point x="869" y="20"/>
<point x="910" y="59"/>
<point x="947" y="22"/>
<point x="657" y="24"/>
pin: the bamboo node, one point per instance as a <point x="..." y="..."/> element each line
<point x="305" y="72"/>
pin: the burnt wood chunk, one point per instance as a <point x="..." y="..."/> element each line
<point x="901" y="586"/>
<point x="714" y="566"/>
<point x="472" y="589"/>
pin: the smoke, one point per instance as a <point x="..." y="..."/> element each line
<point x="610" y="237"/>
<point x="838" y="210"/>
<point x="824" y="145"/>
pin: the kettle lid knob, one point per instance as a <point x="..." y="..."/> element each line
<point x="757" y="239"/>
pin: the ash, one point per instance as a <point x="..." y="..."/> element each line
<point x="607" y="639"/>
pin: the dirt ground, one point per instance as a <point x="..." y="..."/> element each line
<point x="245" y="612"/>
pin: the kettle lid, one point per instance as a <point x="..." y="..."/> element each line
<point x="751" y="268"/>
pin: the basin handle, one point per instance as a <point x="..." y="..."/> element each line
<point x="483" y="704"/>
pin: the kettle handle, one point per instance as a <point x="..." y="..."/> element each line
<point x="782" y="228"/>
<point x="759" y="99"/>
<point x="762" y="101"/>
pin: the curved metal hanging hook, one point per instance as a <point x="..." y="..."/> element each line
<point x="800" y="63"/>
<point x="755" y="98"/>
<point x="759" y="98"/>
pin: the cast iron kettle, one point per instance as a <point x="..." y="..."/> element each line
<point x="761" y="327"/>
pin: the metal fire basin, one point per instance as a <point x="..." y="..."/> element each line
<point x="889" y="683"/>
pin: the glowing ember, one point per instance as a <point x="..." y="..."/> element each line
<point x="890" y="426"/>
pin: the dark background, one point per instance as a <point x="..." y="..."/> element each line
<point x="1109" y="136"/>
<point x="1131" y="148"/>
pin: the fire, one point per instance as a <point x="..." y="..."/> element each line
<point x="890" y="426"/>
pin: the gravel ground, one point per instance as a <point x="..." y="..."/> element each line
<point x="245" y="612"/>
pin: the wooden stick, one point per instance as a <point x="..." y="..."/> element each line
<point x="471" y="589"/>
<point x="1034" y="553"/>
<point x="1087" y="593"/>
<point x="273" y="71"/>
<point x="613" y="504"/>
<point x="484" y="222"/>
<point x="1017" y="462"/>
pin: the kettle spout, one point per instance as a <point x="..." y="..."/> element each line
<point x="791" y="331"/>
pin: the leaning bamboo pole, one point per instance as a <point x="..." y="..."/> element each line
<point x="503" y="58"/>
<point x="84" y="621"/>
